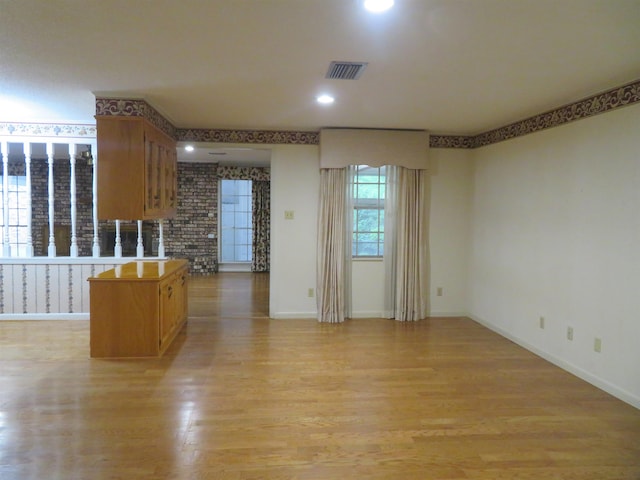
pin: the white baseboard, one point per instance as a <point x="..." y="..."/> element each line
<point x="376" y="314"/>
<point x="594" y="380"/>
<point x="361" y="314"/>
<point x="43" y="316"/>
<point x="294" y="315"/>
<point x="234" y="267"/>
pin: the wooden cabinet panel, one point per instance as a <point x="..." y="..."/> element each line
<point x="168" y="312"/>
<point x="137" y="170"/>
<point x="138" y="308"/>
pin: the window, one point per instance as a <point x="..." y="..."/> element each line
<point x="236" y="230"/>
<point x="17" y="210"/>
<point x="368" y="211"/>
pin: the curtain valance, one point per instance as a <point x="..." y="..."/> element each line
<point x="341" y="147"/>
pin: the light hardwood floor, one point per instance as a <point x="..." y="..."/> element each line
<point x="239" y="396"/>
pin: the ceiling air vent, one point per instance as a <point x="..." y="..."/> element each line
<point x="345" y="70"/>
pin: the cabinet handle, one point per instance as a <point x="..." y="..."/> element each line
<point x="170" y="290"/>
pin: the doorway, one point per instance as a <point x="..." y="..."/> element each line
<point x="236" y="231"/>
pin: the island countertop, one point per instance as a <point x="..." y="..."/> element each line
<point x="141" y="270"/>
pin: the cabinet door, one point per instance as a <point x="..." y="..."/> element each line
<point x="149" y="158"/>
<point x="180" y="293"/>
<point x="153" y="171"/>
<point x="120" y="149"/>
<point x="148" y="171"/>
<point x="168" y="179"/>
<point x="167" y="310"/>
<point x="160" y="175"/>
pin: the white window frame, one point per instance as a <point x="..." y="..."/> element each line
<point x="368" y="202"/>
<point x="235" y="200"/>
<point x="18" y="225"/>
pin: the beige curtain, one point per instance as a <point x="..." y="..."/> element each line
<point x="406" y="253"/>
<point x="334" y="246"/>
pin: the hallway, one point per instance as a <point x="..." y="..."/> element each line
<point x="229" y="295"/>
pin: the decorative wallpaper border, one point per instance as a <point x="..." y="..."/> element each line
<point x="248" y="136"/>
<point x="48" y="130"/>
<point x="451" y="141"/>
<point x="600" y="103"/>
<point x="122" y="107"/>
<point x="257" y="174"/>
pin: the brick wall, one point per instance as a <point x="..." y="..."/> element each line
<point x="62" y="204"/>
<point x="196" y="217"/>
<point x="186" y="235"/>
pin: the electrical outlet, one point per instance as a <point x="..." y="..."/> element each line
<point x="311" y="292"/>
<point x="569" y="333"/>
<point x="597" y="345"/>
<point x="288" y="214"/>
<point x="439" y="291"/>
<point x="541" y="322"/>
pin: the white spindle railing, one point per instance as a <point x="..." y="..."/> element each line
<point x="140" y="244"/>
<point x="6" y="246"/>
<point x="94" y="190"/>
<point x="52" y="150"/>
<point x="52" y="198"/>
<point x="73" y="248"/>
<point x="27" y="166"/>
<point x="117" y="249"/>
<point x="161" y="238"/>
<point x="54" y="287"/>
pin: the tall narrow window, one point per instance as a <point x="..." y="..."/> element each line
<point x="17" y="226"/>
<point x="235" y="225"/>
<point x="368" y="211"/>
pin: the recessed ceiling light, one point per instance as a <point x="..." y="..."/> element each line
<point x="325" y="99"/>
<point x="189" y="148"/>
<point x="377" y="6"/>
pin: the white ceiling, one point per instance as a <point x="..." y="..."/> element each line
<point x="237" y="156"/>
<point x="449" y="66"/>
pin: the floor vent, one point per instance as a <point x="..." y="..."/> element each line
<point x="345" y="70"/>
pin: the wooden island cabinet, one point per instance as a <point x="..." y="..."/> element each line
<point x="137" y="170"/>
<point x="137" y="309"/>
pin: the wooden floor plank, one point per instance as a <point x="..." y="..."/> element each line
<point x="240" y="396"/>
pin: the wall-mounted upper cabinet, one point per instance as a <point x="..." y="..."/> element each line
<point x="137" y="170"/>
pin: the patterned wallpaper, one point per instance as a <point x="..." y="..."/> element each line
<point x="134" y="108"/>
<point x="48" y="130"/>
<point x="602" y="102"/>
<point x="451" y="141"/>
<point x="248" y="136"/>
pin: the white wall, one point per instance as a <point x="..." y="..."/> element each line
<point x="451" y="174"/>
<point x="451" y="190"/>
<point x="295" y="181"/>
<point x="295" y="186"/>
<point x="556" y="233"/>
<point x="367" y="288"/>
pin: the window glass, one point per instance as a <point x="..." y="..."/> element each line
<point x="368" y="211"/>
<point x="235" y="227"/>
<point x="17" y="212"/>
